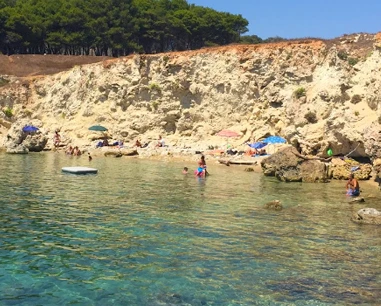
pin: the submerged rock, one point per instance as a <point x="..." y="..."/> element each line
<point x="356" y="200"/>
<point x="367" y="216"/>
<point x="274" y="205"/>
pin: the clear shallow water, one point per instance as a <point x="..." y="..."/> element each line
<point x="141" y="233"/>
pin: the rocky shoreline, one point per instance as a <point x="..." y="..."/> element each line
<point x="283" y="161"/>
<point x="286" y="163"/>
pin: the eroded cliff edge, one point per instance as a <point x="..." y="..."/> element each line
<point x="316" y="94"/>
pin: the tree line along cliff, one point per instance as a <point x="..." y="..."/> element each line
<point x="112" y="27"/>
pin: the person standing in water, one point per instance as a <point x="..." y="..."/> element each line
<point x="353" y="187"/>
<point x="202" y="163"/>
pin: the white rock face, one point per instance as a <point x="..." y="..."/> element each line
<point x="307" y="92"/>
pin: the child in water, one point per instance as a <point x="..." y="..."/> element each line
<point x="185" y="170"/>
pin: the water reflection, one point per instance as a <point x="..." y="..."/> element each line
<point x="141" y="233"/>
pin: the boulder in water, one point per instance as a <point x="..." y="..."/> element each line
<point x="289" y="166"/>
<point x="356" y="200"/>
<point x="17" y="149"/>
<point x="367" y="216"/>
<point x="35" y="143"/>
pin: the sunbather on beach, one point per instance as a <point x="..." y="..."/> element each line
<point x="160" y="142"/>
<point x="138" y="144"/>
<point x="251" y="152"/>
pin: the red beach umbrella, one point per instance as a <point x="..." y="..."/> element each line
<point x="228" y="133"/>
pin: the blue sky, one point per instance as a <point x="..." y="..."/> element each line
<point x="307" y="18"/>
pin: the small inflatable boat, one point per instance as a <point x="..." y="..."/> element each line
<point x="79" y="170"/>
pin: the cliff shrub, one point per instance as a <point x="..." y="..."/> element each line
<point x="8" y="112"/>
<point x="342" y="55"/>
<point x="353" y="61"/>
<point x="155" y="105"/>
<point x="154" y="86"/>
<point x="3" y="82"/>
<point x="311" y="117"/>
<point x="300" y="92"/>
<point x="165" y="59"/>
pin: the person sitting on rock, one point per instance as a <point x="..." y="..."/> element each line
<point x="105" y="142"/>
<point x="138" y="144"/>
<point x="160" y="142"/>
<point x="353" y="187"/>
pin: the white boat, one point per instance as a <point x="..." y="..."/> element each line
<point x="80" y="170"/>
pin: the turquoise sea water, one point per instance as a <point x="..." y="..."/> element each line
<point x="141" y="233"/>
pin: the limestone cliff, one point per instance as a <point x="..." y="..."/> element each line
<point x="316" y="94"/>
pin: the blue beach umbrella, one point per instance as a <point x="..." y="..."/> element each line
<point x="257" y="145"/>
<point x="98" y="128"/>
<point x="274" y="139"/>
<point x="29" y="129"/>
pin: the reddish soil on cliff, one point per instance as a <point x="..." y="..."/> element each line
<point x="22" y="65"/>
